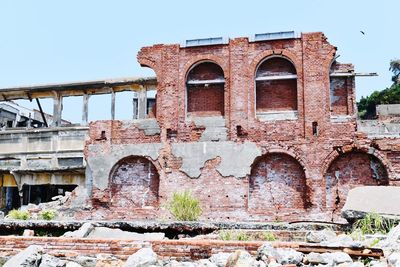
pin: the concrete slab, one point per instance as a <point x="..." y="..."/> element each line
<point x="378" y="199"/>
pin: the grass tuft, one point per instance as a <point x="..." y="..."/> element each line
<point x="184" y="207"/>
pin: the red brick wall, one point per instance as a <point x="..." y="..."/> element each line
<point x="339" y="94"/>
<point x="353" y="169"/>
<point x="276" y="95"/>
<point x="134" y="183"/>
<point x="272" y="177"/>
<point x="228" y="198"/>
<point x="206" y="100"/>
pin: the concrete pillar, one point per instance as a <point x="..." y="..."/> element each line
<point x="30" y="120"/>
<point x="85" y="109"/>
<point x="112" y="105"/>
<point x="57" y="109"/>
<point x="142" y="102"/>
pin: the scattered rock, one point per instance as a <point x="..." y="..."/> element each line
<point x="342" y="240"/>
<point x="104" y="232"/>
<point x="241" y="258"/>
<point x="376" y="263"/>
<point x="72" y="264"/>
<point x="320" y="236"/>
<point x="28" y="232"/>
<point x="174" y="263"/>
<point x="340" y="257"/>
<point x="142" y="258"/>
<point x="30" y="257"/>
<point x="86" y="261"/>
<point x="289" y="256"/>
<point x="220" y="259"/>
<point x="51" y="261"/>
<point x="267" y="253"/>
<point x="106" y="260"/>
<point x="314" y="258"/>
<point x="392" y="238"/>
<point x="394" y="259"/>
<point x="350" y="264"/>
<point x="205" y="263"/>
<point x="82" y="232"/>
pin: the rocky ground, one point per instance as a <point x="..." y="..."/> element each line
<point x="267" y="255"/>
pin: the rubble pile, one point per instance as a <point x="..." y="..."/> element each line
<point x="322" y="252"/>
<point x="64" y="206"/>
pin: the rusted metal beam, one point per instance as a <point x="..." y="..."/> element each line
<point x="42" y="113"/>
<point x="352" y="251"/>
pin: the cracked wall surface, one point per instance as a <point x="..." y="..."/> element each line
<point x="279" y="163"/>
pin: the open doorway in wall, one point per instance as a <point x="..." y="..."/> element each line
<point x="277" y="187"/>
<point x="205" y="90"/>
<point x="134" y="183"/>
<point x="276" y="89"/>
<point x="350" y="170"/>
<point x="37" y="194"/>
<point x="9" y="196"/>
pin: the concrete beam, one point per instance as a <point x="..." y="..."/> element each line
<point x="142" y="103"/>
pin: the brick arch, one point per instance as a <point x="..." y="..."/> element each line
<point x="260" y="58"/>
<point x="134" y="183"/>
<point x="277" y="186"/>
<point x="348" y="170"/>
<point x="204" y="58"/>
<point x="364" y="149"/>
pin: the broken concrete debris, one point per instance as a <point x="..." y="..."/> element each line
<point x="87" y="230"/>
<point x="372" y="199"/>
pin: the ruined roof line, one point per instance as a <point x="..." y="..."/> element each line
<point x="76" y="88"/>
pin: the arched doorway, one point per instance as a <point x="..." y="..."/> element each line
<point x="277" y="185"/>
<point x="134" y="183"/>
<point x="351" y="170"/>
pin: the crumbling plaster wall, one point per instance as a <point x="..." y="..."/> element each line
<point x="214" y="157"/>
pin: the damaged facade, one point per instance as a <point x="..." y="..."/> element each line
<point x="259" y="130"/>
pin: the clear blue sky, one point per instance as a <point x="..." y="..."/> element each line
<point x="71" y="40"/>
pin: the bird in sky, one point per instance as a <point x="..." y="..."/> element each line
<point x="362" y="32"/>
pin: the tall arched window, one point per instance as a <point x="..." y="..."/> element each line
<point x="205" y="90"/>
<point x="276" y="88"/>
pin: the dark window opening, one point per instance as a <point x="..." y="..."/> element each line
<point x="9" y="198"/>
<point x="315" y="128"/>
<point x="37" y="194"/>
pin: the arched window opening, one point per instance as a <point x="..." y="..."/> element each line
<point x="351" y="170"/>
<point x="340" y="85"/>
<point x="134" y="183"/>
<point x="205" y="90"/>
<point x="276" y="89"/>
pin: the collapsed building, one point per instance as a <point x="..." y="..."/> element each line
<point x="259" y="129"/>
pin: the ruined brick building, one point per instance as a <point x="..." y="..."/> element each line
<point x="259" y="129"/>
